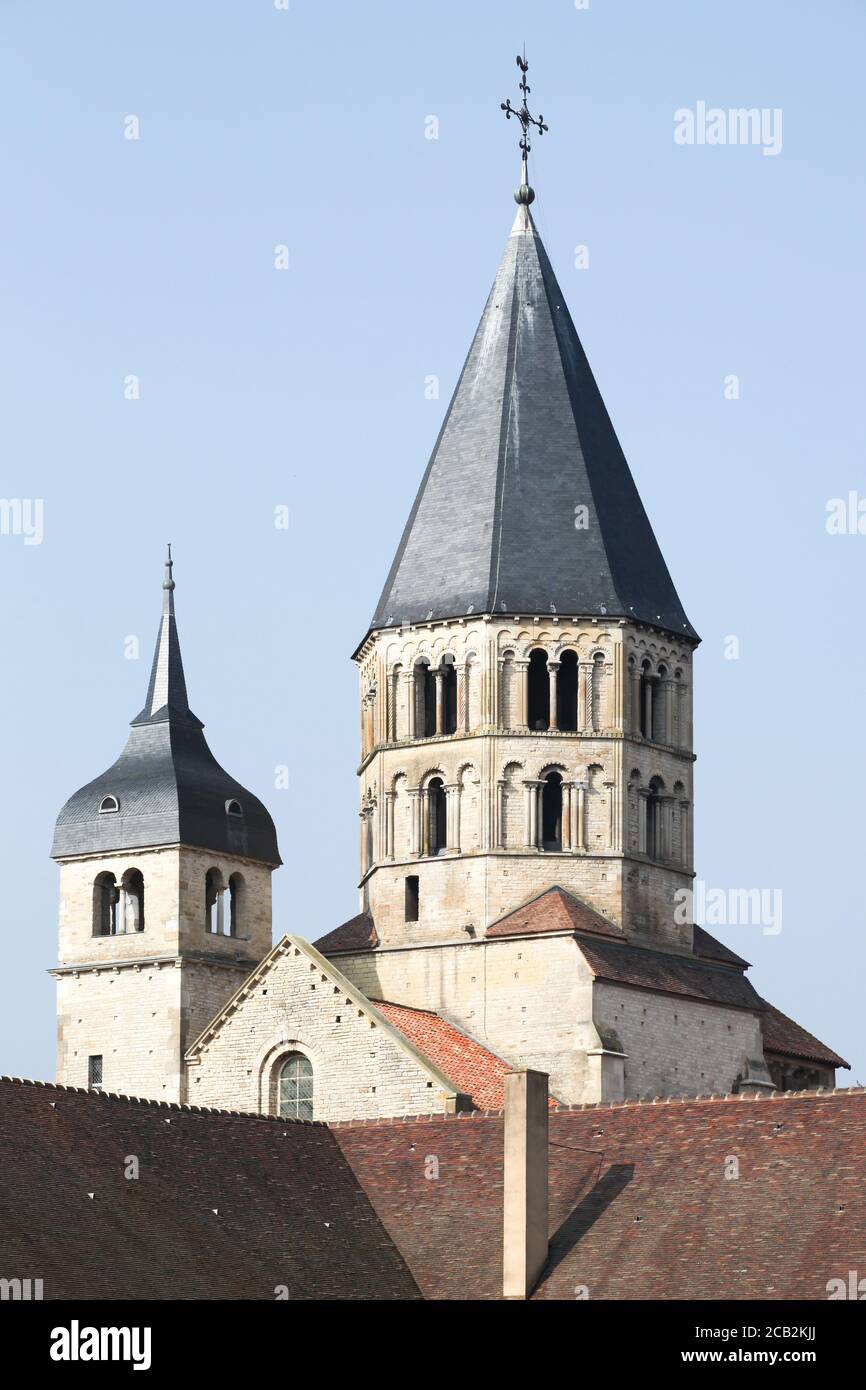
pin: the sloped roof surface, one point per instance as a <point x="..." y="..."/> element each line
<point x="168" y="784"/>
<point x="783" y="1035"/>
<point x="553" y="910"/>
<point x="358" y="934"/>
<point x="475" y="1071"/>
<point x="525" y="443"/>
<point x="225" y="1206"/>
<point x="639" y="1208"/>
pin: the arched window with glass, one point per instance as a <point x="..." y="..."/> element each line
<point x="296" y="1088"/>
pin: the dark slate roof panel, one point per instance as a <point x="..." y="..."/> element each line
<point x="666" y="973"/>
<point x="785" y="1037"/>
<point x="169" y="785"/>
<point x="226" y="1206"/>
<point x="526" y="440"/>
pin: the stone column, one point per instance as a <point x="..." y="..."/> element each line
<point x="539" y="814"/>
<point x="462" y="700"/>
<point x="642" y="799"/>
<point x="220" y="911"/>
<point x="581" y="815"/>
<point x="410" y="703"/>
<point x="122" y="910"/>
<point x="522" y="668"/>
<point x="584" y="696"/>
<point x="452" y="817"/>
<point x="439" y="678"/>
<point x="552" y="671"/>
<point x="499" y="828"/>
<point x="634" y="711"/>
<point x="389" y="824"/>
<point x="416" y="801"/>
<point x="610" y="787"/>
<point x="426" y="807"/>
<point x="530" y="808"/>
<point x="498" y="682"/>
<point x="566" y="815"/>
<point x="685" y="834"/>
<point x="670" y="694"/>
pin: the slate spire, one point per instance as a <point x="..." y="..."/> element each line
<point x="528" y="505"/>
<point x="166" y="693"/>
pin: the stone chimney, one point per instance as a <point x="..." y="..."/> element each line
<point x="524" y="1245"/>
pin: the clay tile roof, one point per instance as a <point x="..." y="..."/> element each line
<point x="358" y="934"/>
<point x="474" y="1070"/>
<point x="783" y="1035"/>
<point x="222" y="1202"/>
<point x="708" y="948"/>
<point x="668" y="974"/>
<point x="637" y="1210"/>
<point x="553" y="910"/>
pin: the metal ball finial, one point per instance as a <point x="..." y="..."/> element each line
<point x="524" y="195"/>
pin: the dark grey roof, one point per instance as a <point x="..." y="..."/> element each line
<point x="169" y="786"/>
<point x="526" y="440"/>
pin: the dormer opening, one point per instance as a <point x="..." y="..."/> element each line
<point x="108" y="804"/>
<point x="234" y="808"/>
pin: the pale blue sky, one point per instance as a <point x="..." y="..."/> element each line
<point x="306" y="387"/>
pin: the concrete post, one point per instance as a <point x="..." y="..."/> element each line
<point x="525" y="1201"/>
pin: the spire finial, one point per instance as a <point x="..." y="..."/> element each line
<point x="524" y="193"/>
<point x="168" y="584"/>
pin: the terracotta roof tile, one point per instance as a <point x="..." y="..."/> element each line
<point x="474" y="1070"/>
<point x="638" y="1205"/>
<point x="553" y="910"/>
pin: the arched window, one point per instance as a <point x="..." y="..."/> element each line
<point x="237" y="903"/>
<point x="595" y="693"/>
<point x="108" y="803"/>
<point x="214" y="907"/>
<point x="105" y="900"/>
<point x="132" y="900"/>
<point x="425" y="700"/>
<point x="436" y="812"/>
<point x="551" y="812"/>
<point x="538" y="716"/>
<point x="654" y="818"/>
<point x="296" y="1087"/>
<point x="448" y="678"/>
<point x="566" y="692"/>
<point x="234" y="808"/>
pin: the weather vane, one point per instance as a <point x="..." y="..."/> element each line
<point x="524" y="193"/>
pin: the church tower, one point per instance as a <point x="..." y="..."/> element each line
<point x="526" y="681"/>
<point x="165" y="894"/>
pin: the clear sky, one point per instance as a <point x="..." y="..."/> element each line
<point x="305" y="387"/>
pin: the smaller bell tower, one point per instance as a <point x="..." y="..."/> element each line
<point x="165" y="894"/>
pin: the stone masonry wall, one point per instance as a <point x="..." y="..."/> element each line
<point x="359" y="1070"/>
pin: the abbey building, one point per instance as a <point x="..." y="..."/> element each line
<point x="526" y="812"/>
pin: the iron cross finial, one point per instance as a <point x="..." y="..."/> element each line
<point x="524" y="194"/>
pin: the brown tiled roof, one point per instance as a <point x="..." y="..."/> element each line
<point x="639" y="1204"/>
<point x="358" y="934"/>
<point x="784" y="1036"/>
<point x="668" y="974"/>
<point x="224" y="1207"/>
<point x="553" y="910"/>
<point x="708" y="948"/>
<point x="474" y="1070"/>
